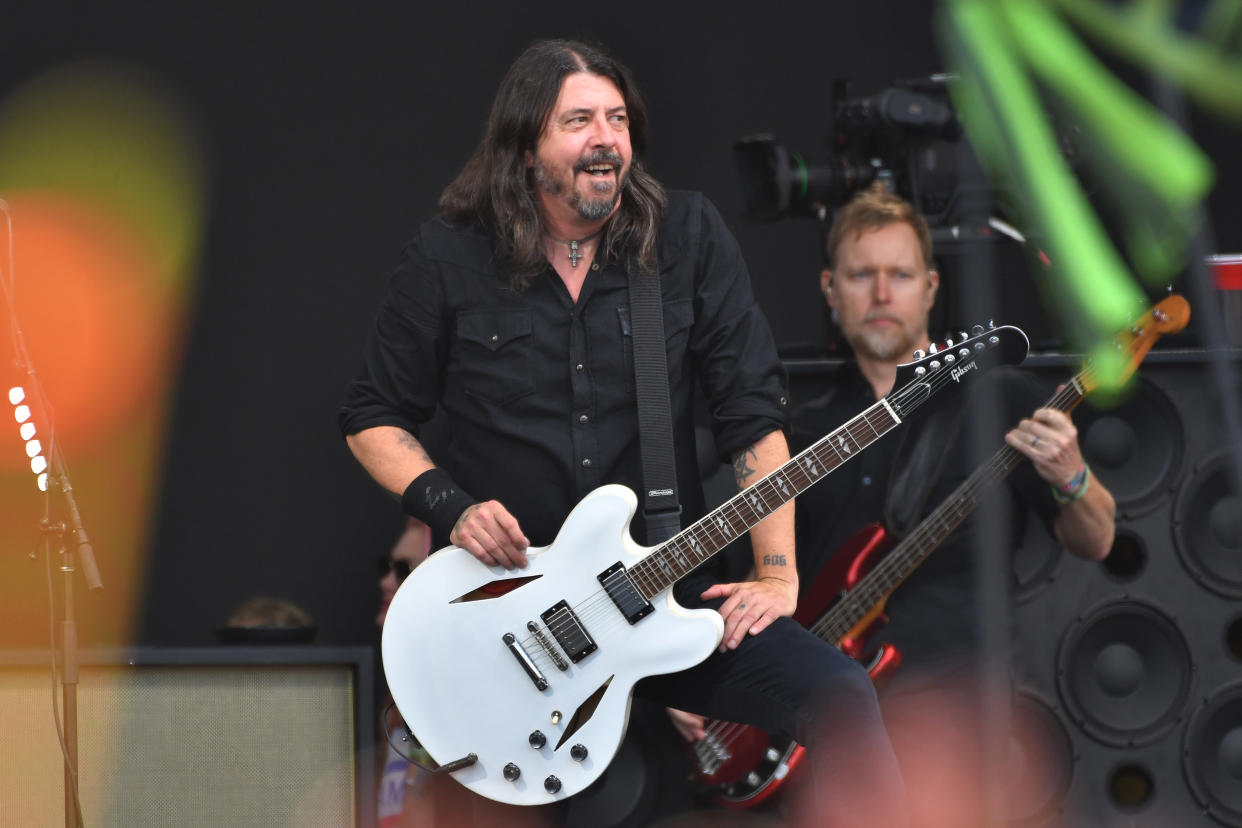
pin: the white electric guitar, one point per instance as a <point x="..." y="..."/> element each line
<point x="518" y="682"/>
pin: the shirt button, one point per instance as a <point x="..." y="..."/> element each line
<point x="784" y="401"/>
<point x="594" y="267"/>
<point x="586" y="464"/>
<point x="866" y="481"/>
<point x="582" y="418"/>
<point x="495" y="337"/>
<point x="579" y="367"/>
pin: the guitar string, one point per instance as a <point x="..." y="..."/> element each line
<point x="893" y="567"/>
<point x="598" y="603"/>
<point x="1065" y="399"/>
<point x="935" y="381"/>
<point x="835" y="624"/>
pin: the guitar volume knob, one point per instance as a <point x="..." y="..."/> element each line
<point x="537" y="739"/>
<point x="512" y="772"/>
<point x="552" y="785"/>
<point x="578" y="752"/>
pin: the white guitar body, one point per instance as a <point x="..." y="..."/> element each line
<point x="463" y="690"/>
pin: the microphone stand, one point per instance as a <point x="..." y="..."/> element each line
<point x="85" y="557"/>
<point x="77" y="542"/>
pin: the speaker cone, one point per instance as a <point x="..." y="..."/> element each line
<point x="1136" y="449"/>
<point x="1207" y="525"/>
<point x="1124" y="673"/>
<point x="1212" y="754"/>
<point x="1041" y="763"/>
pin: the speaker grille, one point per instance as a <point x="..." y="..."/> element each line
<point x="1124" y="673"/>
<point x="193" y="745"/>
<point x="1212" y="754"/>
<point x="1207" y="526"/>
<point x="1137" y="448"/>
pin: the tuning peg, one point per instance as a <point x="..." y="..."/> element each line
<point x="948" y="343"/>
<point x="919" y="354"/>
<point x="962" y="336"/>
<point x="931" y="349"/>
<point x="991" y="324"/>
<point x="976" y="330"/>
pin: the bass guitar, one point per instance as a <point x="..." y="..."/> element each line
<point x="518" y="683"/>
<point x="743" y="765"/>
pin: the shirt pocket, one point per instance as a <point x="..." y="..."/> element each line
<point x="494" y="354"/>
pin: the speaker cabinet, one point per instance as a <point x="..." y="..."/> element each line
<point x="1134" y="663"/>
<point x="239" y="736"/>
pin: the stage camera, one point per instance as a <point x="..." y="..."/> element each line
<point x="907" y="137"/>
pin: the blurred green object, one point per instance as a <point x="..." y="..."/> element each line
<point x="1205" y="63"/>
<point x="1009" y="57"/>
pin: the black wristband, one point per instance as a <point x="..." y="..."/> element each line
<point x="437" y="501"/>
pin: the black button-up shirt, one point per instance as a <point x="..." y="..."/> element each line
<point x="538" y="390"/>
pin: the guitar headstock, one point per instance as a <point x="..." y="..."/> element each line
<point x="955" y="360"/>
<point x="1130" y="346"/>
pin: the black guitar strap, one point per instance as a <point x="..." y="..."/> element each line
<point x="661" y="508"/>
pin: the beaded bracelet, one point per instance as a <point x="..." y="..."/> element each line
<point x="1075" y="489"/>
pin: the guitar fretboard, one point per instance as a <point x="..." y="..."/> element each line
<point x="698" y="542"/>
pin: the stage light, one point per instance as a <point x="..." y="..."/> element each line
<point x="27" y="430"/>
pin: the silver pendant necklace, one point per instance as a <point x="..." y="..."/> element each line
<point x="574" y="255"/>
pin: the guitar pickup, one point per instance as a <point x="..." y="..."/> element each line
<point x="570" y="634"/>
<point x="630" y="602"/>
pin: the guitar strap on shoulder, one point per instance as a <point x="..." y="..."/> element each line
<point x="661" y="508"/>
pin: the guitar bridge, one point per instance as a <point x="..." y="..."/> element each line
<point x="547" y="646"/>
<point x="523" y="658"/>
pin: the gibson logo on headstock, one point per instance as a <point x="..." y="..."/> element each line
<point x="958" y="373"/>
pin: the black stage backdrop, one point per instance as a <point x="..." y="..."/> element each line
<point x="328" y="136"/>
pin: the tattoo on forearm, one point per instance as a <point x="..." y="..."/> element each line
<point x="408" y="440"/>
<point x="743" y="470"/>
<point x="774" y="560"/>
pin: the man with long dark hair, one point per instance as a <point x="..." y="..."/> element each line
<point x="511" y="313"/>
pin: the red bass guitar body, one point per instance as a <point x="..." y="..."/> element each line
<point x="745" y="765"/>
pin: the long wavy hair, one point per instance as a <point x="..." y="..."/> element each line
<point x="496" y="187"/>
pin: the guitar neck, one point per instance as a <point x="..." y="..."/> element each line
<point x="904" y="558"/>
<point x="738" y="515"/>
